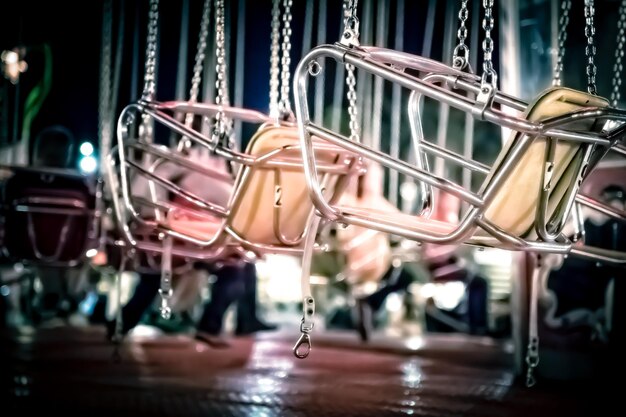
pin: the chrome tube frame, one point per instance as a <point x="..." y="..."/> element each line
<point x="226" y="240"/>
<point x="61" y="206"/>
<point x="392" y="66"/>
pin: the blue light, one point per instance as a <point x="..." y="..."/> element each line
<point x="86" y="149"/>
<point x="88" y="164"/>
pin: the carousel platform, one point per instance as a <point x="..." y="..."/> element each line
<point x="70" y="370"/>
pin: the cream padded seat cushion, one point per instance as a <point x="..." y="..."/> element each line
<point x="514" y="206"/>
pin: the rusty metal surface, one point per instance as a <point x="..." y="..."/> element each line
<point x="70" y="370"/>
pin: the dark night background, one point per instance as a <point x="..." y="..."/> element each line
<point x="73" y="31"/>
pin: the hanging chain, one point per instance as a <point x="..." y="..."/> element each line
<point x="274" y="59"/>
<point x="618" y="67"/>
<point x="196" y="78"/>
<point x="460" y="58"/>
<point x="221" y="84"/>
<point x="590" y="49"/>
<point x="352" y="107"/>
<point x="149" y="80"/>
<point x="566" y="5"/>
<point x="222" y="130"/>
<point x="351" y="35"/>
<point x="532" y="351"/>
<point x="489" y="73"/>
<point x="284" y="105"/>
<point x="200" y="52"/>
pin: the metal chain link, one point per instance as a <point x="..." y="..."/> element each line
<point x="149" y="86"/>
<point x="460" y="61"/>
<point x="351" y="22"/>
<point x="590" y="49"/>
<point x="197" y="68"/>
<point x="221" y="83"/>
<point x="222" y="128"/>
<point x="618" y="67"/>
<point x="352" y="107"/>
<point x="489" y="73"/>
<point x="200" y="52"/>
<point x="566" y="5"/>
<point x="532" y="350"/>
<point x="284" y="105"/>
<point x="274" y="59"/>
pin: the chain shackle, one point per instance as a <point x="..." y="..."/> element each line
<point x="618" y="67"/>
<point x="590" y="48"/>
<point x="149" y="80"/>
<point x="566" y="6"/>
<point x="460" y="56"/>
<point x="489" y="75"/>
<point x="350" y="35"/>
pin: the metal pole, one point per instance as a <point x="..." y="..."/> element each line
<point x="510" y="78"/>
<point x="396" y="97"/>
<point x="364" y="88"/>
<point x="181" y="72"/>
<point x="183" y="46"/>
<point x="427" y="44"/>
<point x="319" y="83"/>
<point x="308" y="27"/>
<point x="429" y="29"/>
<point x="379" y="88"/>
<point x="468" y="140"/>
<point x="338" y="92"/>
<point x="134" y="80"/>
<point x="444" y="109"/>
<point x="208" y="93"/>
<point x="554" y="31"/>
<point x="239" y="65"/>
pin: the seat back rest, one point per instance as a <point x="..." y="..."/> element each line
<point x="48" y="218"/>
<point x="261" y="190"/>
<point x="514" y="206"/>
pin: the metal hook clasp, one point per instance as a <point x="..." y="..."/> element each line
<point x="483" y="101"/>
<point x="304" y="340"/>
<point x="165" y="309"/>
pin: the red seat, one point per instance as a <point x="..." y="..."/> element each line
<point x="49" y="216"/>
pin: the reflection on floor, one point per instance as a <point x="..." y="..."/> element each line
<point x="70" y="370"/>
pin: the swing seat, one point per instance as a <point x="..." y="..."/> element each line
<point x="271" y="206"/>
<point x="268" y="209"/>
<point x="529" y="191"/>
<point x="201" y="228"/>
<point x="514" y="206"/>
<point x="416" y="223"/>
<point x="49" y="216"/>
